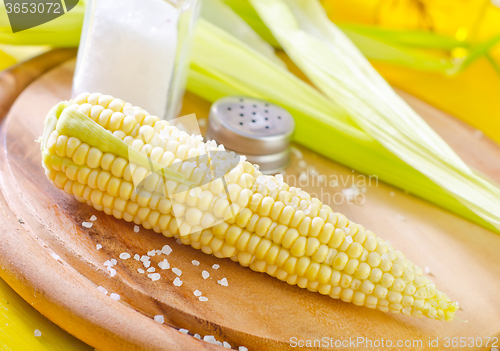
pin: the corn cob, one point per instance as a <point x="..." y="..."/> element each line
<point x="261" y="222"/>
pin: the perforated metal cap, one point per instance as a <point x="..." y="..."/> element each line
<point x="255" y="128"/>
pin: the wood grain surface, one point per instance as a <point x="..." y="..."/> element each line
<point x="52" y="260"/>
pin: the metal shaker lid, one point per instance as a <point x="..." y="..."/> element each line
<point x="250" y="126"/>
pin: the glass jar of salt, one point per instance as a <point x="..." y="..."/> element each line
<point x="138" y="51"/>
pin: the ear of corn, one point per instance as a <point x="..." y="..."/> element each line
<point x="260" y="221"/>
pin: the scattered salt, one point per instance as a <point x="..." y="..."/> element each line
<point x="222" y="282"/>
<point x="216" y="266"/>
<point x="151" y="270"/>
<point x="347" y="230"/>
<point x="98" y="246"/>
<point x="146" y="264"/>
<point x="152" y="253"/>
<point x="115" y="297"/>
<point x="102" y="289"/>
<point x="164" y="264"/>
<point x="167" y="250"/>
<point x="384" y="256"/>
<point x="136" y="228"/>
<point x="93" y="218"/>
<point x="205" y="274"/>
<point x="125" y="256"/>
<point x="177" y="282"/>
<point x="112" y="271"/>
<point x="185" y="331"/>
<point x="197" y="293"/>
<point x="114" y="262"/>
<point x="140" y="270"/>
<point x="154" y="276"/>
<point x="427" y="270"/>
<point x="209" y="338"/>
<point x="159" y="319"/>
<point x="108" y="263"/>
<point x="195" y="263"/>
<point x="145" y="258"/>
<point x="38" y="333"/>
<point x="178" y="241"/>
<point x="349" y="239"/>
<point x="242" y="348"/>
<point x="226" y="345"/>
<point x="203" y="298"/>
<point x="197" y="336"/>
<point x="306" y="211"/>
<point x="87" y="224"/>
<point x="177" y="271"/>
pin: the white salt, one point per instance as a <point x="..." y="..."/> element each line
<point x="114" y="262"/>
<point x="184" y="331"/>
<point x="222" y="282"/>
<point x="152" y="253"/>
<point x="210" y="339"/>
<point x="137" y="257"/>
<point x="159" y="319"/>
<point x="38" y="333"/>
<point x="197" y="293"/>
<point x="154" y="276"/>
<point x="427" y="270"/>
<point x="167" y="250"/>
<point x="140" y="270"/>
<point x="177" y="282"/>
<point x="177" y="271"/>
<point x="164" y="264"/>
<point x="242" y="348"/>
<point x="136" y="228"/>
<point x="203" y="298"/>
<point x="93" y="218"/>
<point x="124" y="256"/>
<point x="195" y="263"/>
<point x="98" y="246"/>
<point x="197" y="336"/>
<point x="87" y="224"/>
<point x="151" y="269"/>
<point x="115" y="297"/>
<point x="102" y="289"/>
<point x="216" y="266"/>
<point x="205" y="274"/>
<point x="226" y="345"/>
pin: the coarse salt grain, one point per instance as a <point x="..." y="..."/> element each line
<point x="158" y="252"/>
<point x="195" y="263"/>
<point x="108" y="263"/>
<point x="178" y="241"/>
<point x="226" y="345"/>
<point x="306" y="211"/>
<point x="167" y="250"/>
<point x="205" y="274"/>
<point x="159" y="319"/>
<point x="102" y="289"/>
<point x="136" y="228"/>
<point x="384" y="256"/>
<point x="93" y="218"/>
<point x="152" y="253"/>
<point x="209" y="338"/>
<point x="151" y="269"/>
<point x="146" y="264"/>
<point x="185" y="331"/>
<point x="197" y="336"/>
<point x="216" y="266"/>
<point x="242" y="348"/>
<point x="197" y="293"/>
<point x="38" y="333"/>
<point x="145" y="258"/>
<point x="154" y="276"/>
<point x="124" y="256"/>
<point x="140" y="270"/>
<point x="177" y="271"/>
<point x="137" y="257"/>
<point x="349" y="239"/>
<point x="87" y="224"/>
<point x="347" y="230"/>
<point x="54" y="255"/>
<point x="177" y="282"/>
<point x="98" y="246"/>
<point x="115" y="297"/>
<point x="164" y="264"/>
<point x="203" y="298"/>
<point x="222" y="282"/>
<point x="112" y="272"/>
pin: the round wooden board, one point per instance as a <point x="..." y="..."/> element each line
<point x="52" y="261"/>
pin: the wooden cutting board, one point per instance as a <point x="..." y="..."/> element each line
<point x="51" y="259"/>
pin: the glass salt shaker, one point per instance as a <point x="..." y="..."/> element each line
<point x="138" y="51"/>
